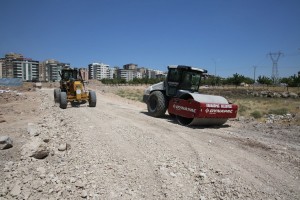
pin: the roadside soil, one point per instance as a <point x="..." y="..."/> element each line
<point x="117" y="151"/>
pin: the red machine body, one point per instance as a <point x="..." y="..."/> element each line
<point x="194" y="109"/>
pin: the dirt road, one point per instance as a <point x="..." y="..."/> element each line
<point x="117" y="151"/>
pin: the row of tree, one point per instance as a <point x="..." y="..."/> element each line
<point x="236" y="79"/>
<point x="134" y="81"/>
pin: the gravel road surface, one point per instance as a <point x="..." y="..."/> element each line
<point x="117" y="151"/>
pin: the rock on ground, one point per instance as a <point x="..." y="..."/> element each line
<point x="6" y="142"/>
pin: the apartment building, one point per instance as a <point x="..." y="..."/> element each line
<point x="131" y="71"/>
<point x="49" y="70"/>
<point x="113" y="72"/>
<point x="98" y="71"/>
<point x="149" y="73"/>
<point x="126" y="74"/>
<point x="130" y="66"/>
<point x="84" y="73"/>
<point x="7" y="64"/>
<point x="26" y="69"/>
<point x="14" y="65"/>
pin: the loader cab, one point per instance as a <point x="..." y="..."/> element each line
<point x="69" y="74"/>
<point x="68" y="78"/>
<point x="181" y="77"/>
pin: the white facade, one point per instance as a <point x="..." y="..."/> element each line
<point x="139" y="75"/>
<point x="128" y="75"/>
<point x="112" y="72"/>
<point x="158" y="72"/>
<point x="27" y="70"/>
<point x="99" y="71"/>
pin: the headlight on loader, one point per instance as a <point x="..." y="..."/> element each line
<point x="78" y="91"/>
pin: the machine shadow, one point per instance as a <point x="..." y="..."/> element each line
<point x="173" y="120"/>
<point x="74" y="105"/>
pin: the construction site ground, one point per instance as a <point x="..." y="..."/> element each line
<point x="117" y="151"/>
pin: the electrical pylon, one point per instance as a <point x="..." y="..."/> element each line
<point x="275" y="57"/>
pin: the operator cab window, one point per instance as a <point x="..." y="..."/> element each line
<point x="190" y="80"/>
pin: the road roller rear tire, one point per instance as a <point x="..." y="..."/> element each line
<point x="157" y="104"/>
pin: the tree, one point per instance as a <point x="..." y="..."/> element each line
<point x="212" y="80"/>
<point x="264" y="80"/>
<point x="248" y="80"/>
<point x="236" y="79"/>
<point x="292" y="81"/>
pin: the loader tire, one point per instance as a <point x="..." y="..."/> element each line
<point x="157" y="104"/>
<point x="63" y="102"/>
<point x="92" y="99"/>
<point x="56" y="95"/>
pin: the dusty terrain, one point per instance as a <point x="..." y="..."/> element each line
<point x="117" y="151"/>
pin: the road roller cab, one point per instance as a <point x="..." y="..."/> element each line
<point x="179" y="95"/>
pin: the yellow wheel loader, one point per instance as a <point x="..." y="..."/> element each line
<point x="72" y="89"/>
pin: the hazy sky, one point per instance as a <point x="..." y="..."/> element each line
<point x="230" y="36"/>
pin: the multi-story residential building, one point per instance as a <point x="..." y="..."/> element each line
<point x="7" y="64"/>
<point x="158" y="72"/>
<point x="41" y="71"/>
<point x="98" y="71"/>
<point x="148" y="73"/>
<point x="16" y="66"/>
<point x="84" y="73"/>
<point x="126" y="74"/>
<point x="130" y="66"/>
<point x="143" y="71"/>
<point x="26" y="69"/>
<point x="139" y="75"/>
<point x="50" y="70"/>
<point x="129" y="72"/>
<point x="113" y="72"/>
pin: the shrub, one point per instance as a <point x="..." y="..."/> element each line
<point x="242" y="109"/>
<point x="256" y="114"/>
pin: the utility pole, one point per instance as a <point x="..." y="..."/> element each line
<point x="254" y="68"/>
<point x="275" y="57"/>
<point x="215" y="71"/>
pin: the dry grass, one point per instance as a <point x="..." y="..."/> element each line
<point x="131" y="93"/>
<point x="267" y="105"/>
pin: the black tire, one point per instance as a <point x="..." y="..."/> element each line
<point x="63" y="102"/>
<point x="92" y="99"/>
<point x="56" y="95"/>
<point x="157" y="104"/>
